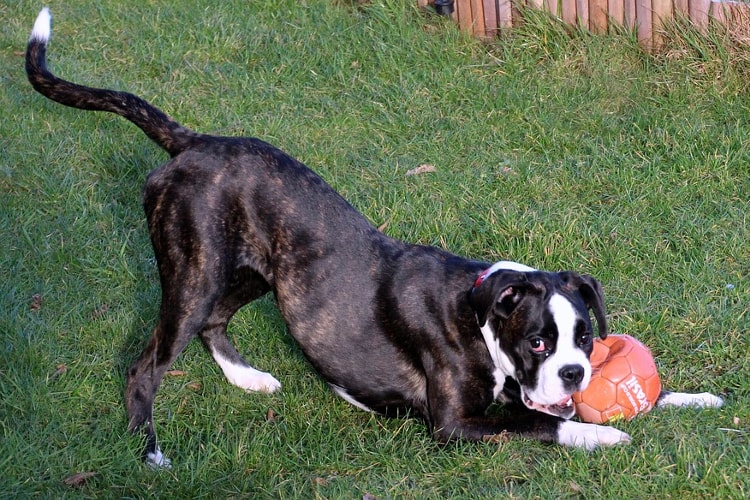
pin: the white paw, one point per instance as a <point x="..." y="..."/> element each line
<point x="157" y="460"/>
<point x="681" y="399"/>
<point x="589" y="436"/>
<point x="252" y="380"/>
<point x="245" y="376"/>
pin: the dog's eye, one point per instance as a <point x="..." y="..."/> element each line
<point x="583" y="334"/>
<point x="538" y="345"/>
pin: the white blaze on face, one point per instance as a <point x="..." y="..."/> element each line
<point x="550" y="388"/>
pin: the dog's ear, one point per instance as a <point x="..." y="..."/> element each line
<point x="593" y="296"/>
<point x="498" y="294"/>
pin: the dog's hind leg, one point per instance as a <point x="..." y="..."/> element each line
<point x="214" y="336"/>
<point x="180" y="320"/>
<point x="237" y="371"/>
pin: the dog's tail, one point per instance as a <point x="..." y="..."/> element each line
<point x="159" y="127"/>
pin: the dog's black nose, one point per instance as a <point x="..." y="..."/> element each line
<point x="572" y="374"/>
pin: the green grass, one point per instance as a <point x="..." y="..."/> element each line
<point x="559" y="150"/>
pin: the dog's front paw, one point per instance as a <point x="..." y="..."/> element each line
<point x="680" y="399"/>
<point x="589" y="436"/>
<point x="157" y="460"/>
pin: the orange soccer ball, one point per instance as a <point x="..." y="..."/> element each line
<point x="624" y="381"/>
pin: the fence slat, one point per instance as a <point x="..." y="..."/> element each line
<point x="490" y="18"/>
<point x="504" y="14"/>
<point x="616" y="11"/>
<point x="698" y="10"/>
<point x="553" y="7"/>
<point x="630" y="17"/>
<point x="681" y="8"/>
<point x="463" y="11"/>
<point x="717" y="12"/>
<point x="598" y="16"/>
<point x="662" y="11"/>
<point x="477" y="16"/>
<point x="569" y="13"/>
<point x="582" y="12"/>
<point x="643" y="22"/>
<point x="730" y="12"/>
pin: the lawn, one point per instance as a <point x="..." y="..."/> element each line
<point x="553" y="148"/>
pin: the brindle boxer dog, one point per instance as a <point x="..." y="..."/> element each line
<point x="392" y="327"/>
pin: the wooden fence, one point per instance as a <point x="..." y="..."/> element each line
<point x="485" y="18"/>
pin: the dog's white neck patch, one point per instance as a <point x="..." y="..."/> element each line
<point x="504" y="367"/>
<point x="42" y="26"/>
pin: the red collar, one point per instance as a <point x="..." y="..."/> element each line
<point x="482" y="276"/>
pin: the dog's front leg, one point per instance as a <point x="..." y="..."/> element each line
<point x="684" y="399"/>
<point x="462" y="414"/>
<point x="533" y="425"/>
<point x="450" y="426"/>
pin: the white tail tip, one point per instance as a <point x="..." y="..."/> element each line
<point x="42" y="26"/>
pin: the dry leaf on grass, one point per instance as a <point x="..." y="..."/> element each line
<point x="176" y="373"/>
<point x="36" y="302"/>
<point x="100" y="311"/>
<point x="59" y="370"/>
<point x="78" y="480"/>
<point x="496" y="438"/>
<point x="575" y="487"/>
<point x="271" y="416"/>
<point x="422" y="169"/>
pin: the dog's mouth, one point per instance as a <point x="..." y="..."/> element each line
<point x="563" y="408"/>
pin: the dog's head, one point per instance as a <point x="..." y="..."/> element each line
<point x="537" y="327"/>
